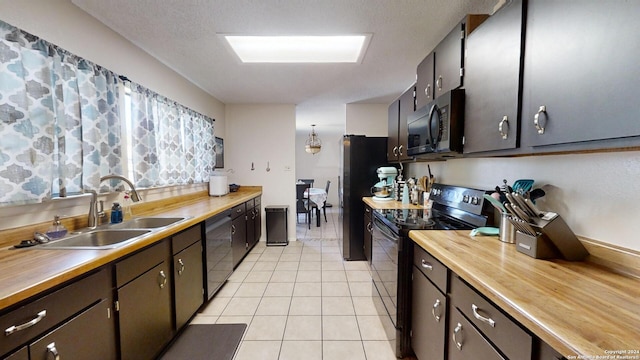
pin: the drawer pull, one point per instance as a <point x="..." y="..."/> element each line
<point x="433" y="310"/>
<point x="15" y="328"/>
<point x="456" y="331"/>
<point x="163" y="279"/>
<point x="181" y="268"/>
<point x="426" y="265"/>
<point x="482" y="318"/>
<point x="51" y="349"/>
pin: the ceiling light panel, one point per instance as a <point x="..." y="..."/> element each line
<point x="298" y="49"/>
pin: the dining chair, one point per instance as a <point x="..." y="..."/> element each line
<point x="307" y="181"/>
<point x="324" y="205"/>
<point x="302" y="203"/>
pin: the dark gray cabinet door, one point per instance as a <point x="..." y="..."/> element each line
<point x="449" y="61"/>
<point x="145" y="316"/>
<point x="257" y="226"/>
<point x="239" y="239"/>
<point x="424" y="82"/>
<point x="393" y="121"/>
<point x="492" y="81"/>
<point x="466" y="342"/>
<point x="581" y="64"/>
<point x="188" y="283"/>
<point x="407" y="107"/>
<point x="368" y="228"/>
<point x="89" y="335"/>
<point x="428" y="319"/>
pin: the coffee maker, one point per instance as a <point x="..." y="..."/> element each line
<point x="384" y="189"/>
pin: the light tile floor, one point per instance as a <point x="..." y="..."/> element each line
<point x="302" y="301"/>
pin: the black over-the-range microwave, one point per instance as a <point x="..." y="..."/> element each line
<point x="438" y="128"/>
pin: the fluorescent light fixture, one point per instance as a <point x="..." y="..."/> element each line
<point x="298" y="49"/>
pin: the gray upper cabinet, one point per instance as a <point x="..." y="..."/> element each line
<point x="581" y="73"/>
<point x="398" y="133"/>
<point x="492" y="81"/>
<point x="442" y="69"/>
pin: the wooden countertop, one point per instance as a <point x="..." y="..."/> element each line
<point x="581" y="309"/>
<point x="27" y="272"/>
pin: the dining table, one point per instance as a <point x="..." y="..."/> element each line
<point x="318" y="196"/>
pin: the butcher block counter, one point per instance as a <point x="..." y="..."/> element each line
<point x="581" y="309"/>
<point x="27" y="272"/>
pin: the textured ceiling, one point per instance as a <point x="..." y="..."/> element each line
<point x="183" y="34"/>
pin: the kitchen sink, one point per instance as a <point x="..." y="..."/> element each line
<point x="97" y="239"/>
<point x="147" y="223"/>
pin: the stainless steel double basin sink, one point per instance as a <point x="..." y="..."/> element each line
<point x="113" y="235"/>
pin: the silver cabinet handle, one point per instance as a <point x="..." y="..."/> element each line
<point x="456" y="331"/>
<point x="370" y="227"/>
<point x="15" y="328"/>
<point x="395" y="151"/>
<point x="400" y="150"/>
<point x="477" y="315"/>
<point x="51" y="349"/>
<point x="426" y="265"/>
<point x="439" y="82"/>
<point x="501" y="127"/>
<point x="233" y="229"/>
<point x="181" y="268"/>
<point x="536" y="119"/>
<point x="427" y="91"/>
<point x="163" y="279"/>
<point x="239" y="211"/>
<point x="436" y="305"/>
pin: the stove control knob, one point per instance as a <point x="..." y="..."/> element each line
<point x="475" y="200"/>
<point x="465" y="199"/>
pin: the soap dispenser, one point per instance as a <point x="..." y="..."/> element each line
<point x="56" y="230"/>
<point x="116" y="213"/>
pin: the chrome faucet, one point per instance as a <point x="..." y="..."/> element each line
<point x="94" y="212"/>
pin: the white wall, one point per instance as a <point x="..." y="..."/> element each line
<point x="596" y="194"/>
<point x="263" y="135"/>
<point x="367" y="119"/>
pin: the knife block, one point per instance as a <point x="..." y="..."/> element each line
<point x="557" y="232"/>
<point x="535" y="246"/>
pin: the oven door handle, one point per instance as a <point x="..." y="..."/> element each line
<point x="385" y="231"/>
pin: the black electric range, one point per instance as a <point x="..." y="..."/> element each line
<point x="453" y="208"/>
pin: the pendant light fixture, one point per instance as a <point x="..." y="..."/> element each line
<point x="313" y="143"/>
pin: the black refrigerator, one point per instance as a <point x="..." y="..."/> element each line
<point x="361" y="157"/>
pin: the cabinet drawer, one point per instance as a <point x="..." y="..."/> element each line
<point x="467" y="343"/>
<point x="52" y="309"/>
<point x="506" y="334"/>
<point x="182" y="240"/>
<point x="131" y="267"/>
<point x="257" y="201"/>
<point x="90" y="335"/>
<point x="431" y="268"/>
<point x="237" y="210"/>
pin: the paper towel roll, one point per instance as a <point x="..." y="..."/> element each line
<point x="218" y="185"/>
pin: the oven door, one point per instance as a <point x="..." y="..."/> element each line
<point x="384" y="265"/>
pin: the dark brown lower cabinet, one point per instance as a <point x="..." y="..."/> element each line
<point x="466" y="342"/>
<point x="89" y="335"/>
<point x="144" y="303"/>
<point x="428" y="319"/>
<point x="188" y="282"/>
<point x="22" y="354"/>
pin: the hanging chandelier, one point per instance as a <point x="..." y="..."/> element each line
<point x="313" y="143"/>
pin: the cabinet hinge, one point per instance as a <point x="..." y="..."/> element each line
<point x="462" y="34"/>
<point x="108" y="313"/>
<point x="461" y="72"/>
<point x="463" y="140"/>
<point x="116" y="305"/>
